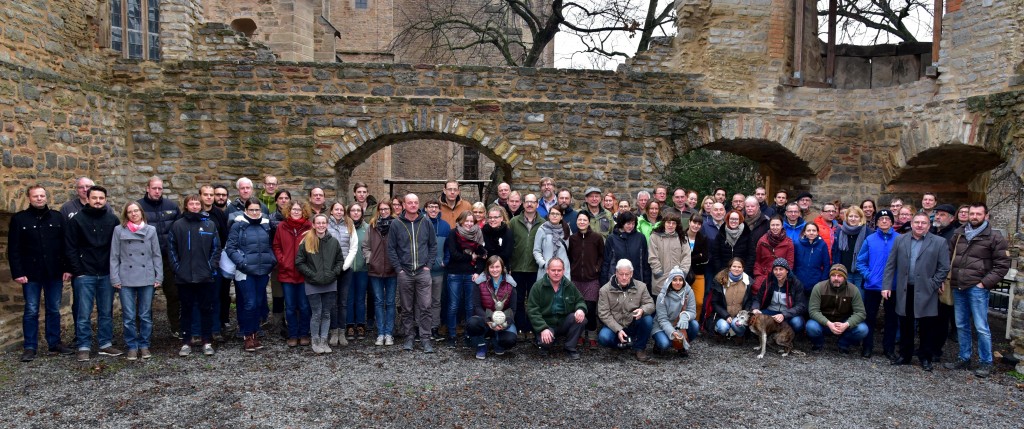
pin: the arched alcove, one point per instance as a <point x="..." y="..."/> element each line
<point x="245" y="26"/>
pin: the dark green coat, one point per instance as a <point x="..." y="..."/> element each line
<point x="323" y="267"/>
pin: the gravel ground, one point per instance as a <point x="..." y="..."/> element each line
<point x="721" y="385"/>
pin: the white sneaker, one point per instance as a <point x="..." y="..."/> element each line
<point x="324" y="347"/>
<point x="185" y="350"/>
<point x="208" y="349"/>
<point x="315" y="345"/>
<point x="380" y="341"/>
<point x="389" y="340"/>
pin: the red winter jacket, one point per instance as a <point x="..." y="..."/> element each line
<point x="286" y="245"/>
<point x="764" y="256"/>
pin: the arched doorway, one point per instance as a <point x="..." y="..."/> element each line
<point x="776" y="166"/>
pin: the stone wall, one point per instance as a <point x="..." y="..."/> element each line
<point x="54" y="37"/>
<point x="980" y="47"/>
<point x="177" y="21"/>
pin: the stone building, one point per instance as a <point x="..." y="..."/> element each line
<point x="184" y="95"/>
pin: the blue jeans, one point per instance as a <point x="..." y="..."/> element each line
<point x="355" y="311"/>
<point x="89" y="290"/>
<point x="460" y="293"/>
<point x="795" y="322"/>
<point x="639" y="331"/>
<point x="137" y="302"/>
<point x="482" y="335"/>
<point x="722" y="327"/>
<point x="971" y="305"/>
<point x="53" y="289"/>
<point x="250" y="295"/>
<point x="662" y="341"/>
<point x="197" y="318"/>
<point x="816" y="333"/>
<point x="296" y="309"/>
<point x="384" y="303"/>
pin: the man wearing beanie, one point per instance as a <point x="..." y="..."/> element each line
<point x="836" y="308"/>
<point x="871" y="262"/>
<point x="781" y="296"/>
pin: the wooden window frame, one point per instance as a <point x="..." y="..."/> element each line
<point x="144" y="28"/>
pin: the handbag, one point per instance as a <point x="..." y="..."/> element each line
<point x="946" y="297"/>
<point x="227" y="267"/>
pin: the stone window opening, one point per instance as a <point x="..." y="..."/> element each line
<point x="135" y="28"/>
<point x="245" y="26"/>
<point x="362" y="4"/>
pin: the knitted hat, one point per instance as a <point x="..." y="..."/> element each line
<point x="887" y="213"/>
<point x="781" y="262"/>
<point x="838" y="268"/>
<point x="948" y="208"/>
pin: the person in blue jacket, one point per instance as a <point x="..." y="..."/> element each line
<point x="871" y="259"/>
<point x="793" y="222"/>
<point x="811" y="258"/>
<point x="249" y="249"/>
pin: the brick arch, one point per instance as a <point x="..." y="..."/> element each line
<point x="782" y="145"/>
<point x="346" y="149"/>
<point x="946" y="155"/>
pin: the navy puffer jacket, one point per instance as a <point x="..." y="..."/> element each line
<point x="249" y="246"/>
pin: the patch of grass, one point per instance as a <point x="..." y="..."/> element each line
<point x="1016" y="375"/>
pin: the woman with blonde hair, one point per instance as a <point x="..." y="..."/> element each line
<point x="320" y="260"/>
<point x="135" y="270"/>
<point x="382" y="275"/>
<point x="343" y="229"/>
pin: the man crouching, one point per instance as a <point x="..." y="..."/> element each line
<point x="557" y="309"/>
<point x="625" y="307"/>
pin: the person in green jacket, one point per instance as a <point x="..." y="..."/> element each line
<point x="556" y="309"/>
<point x="320" y="260"/>
<point x="523" y="267"/>
<point x="650" y="219"/>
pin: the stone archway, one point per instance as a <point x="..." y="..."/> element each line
<point x="344" y="149"/>
<point x="956" y="172"/>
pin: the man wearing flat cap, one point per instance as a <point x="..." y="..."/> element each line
<point x="806" y="203"/>
<point x="836" y="308"/>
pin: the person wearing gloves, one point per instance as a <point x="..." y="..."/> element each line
<point x="676" y="313"/>
<point x="625" y="306"/>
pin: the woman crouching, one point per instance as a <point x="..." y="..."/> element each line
<point x="494" y="298"/>
<point x="675" y="314"/>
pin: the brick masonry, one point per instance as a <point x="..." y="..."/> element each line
<point x="68" y="108"/>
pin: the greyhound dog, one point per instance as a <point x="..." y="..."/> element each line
<point x="764" y="325"/>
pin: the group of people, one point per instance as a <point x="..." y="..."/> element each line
<point x="527" y="267"/>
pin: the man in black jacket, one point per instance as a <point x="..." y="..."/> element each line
<point x="87" y="244"/>
<point x="38" y="263"/>
<point x="412" y="248"/>
<point x="161" y="213"/>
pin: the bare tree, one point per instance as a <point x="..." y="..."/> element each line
<point x="870" y="22"/>
<point x="518" y="31"/>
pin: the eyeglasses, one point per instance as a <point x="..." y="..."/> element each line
<point x="253" y="210"/>
<point x="494" y="217"/>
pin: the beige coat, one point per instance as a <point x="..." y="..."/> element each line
<point x="666" y="252"/>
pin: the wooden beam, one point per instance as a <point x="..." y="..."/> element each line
<point x="798" y="41"/>
<point x="936" y="30"/>
<point x="830" y="59"/>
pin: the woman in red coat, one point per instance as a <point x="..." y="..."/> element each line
<point x="286" y="245"/>
<point x="774" y="244"/>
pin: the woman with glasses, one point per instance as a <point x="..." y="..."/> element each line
<point x="288" y="234"/>
<point x="464" y="256"/>
<point x="383" y="277"/>
<point x="498" y="239"/>
<point x="552" y="240"/>
<point x="249" y="248"/>
<point x="135" y="270"/>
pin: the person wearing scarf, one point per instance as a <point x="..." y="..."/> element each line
<point x="551" y="241"/>
<point x="136" y="268"/>
<point x="287" y="237"/>
<point x="586" y="252"/>
<point x="848" y="242"/>
<point x="383" y="278"/>
<point x="774" y="244"/>
<point x="725" y="299"/>
<point x="464" y="257"/>
<point x="732" y="241"/>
